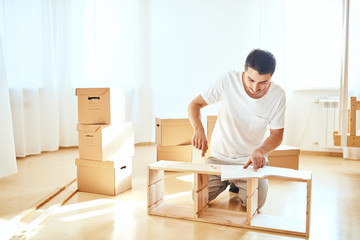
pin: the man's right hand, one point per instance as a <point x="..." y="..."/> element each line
<point x="199" y="141"/>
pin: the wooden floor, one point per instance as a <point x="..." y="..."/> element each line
<point x="335" y="207"/>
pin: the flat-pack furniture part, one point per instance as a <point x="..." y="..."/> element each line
<point x="156" y="205"/>
<point x="172" y="132"/>
<point x="181" y="153"/>
<point x="107" y="178"/>
<point x="352" y="139"/>
<point x="100" y="105"/>
<point x="106" y="142"/>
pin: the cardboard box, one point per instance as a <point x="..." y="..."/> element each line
<point x="172" y="132"/>
<point x="183" y="153"/>
<point x="285" y="156"/>
<point x="100" y="105"/>
<point x="108" y="178"/>
<point x="211" y="120"/>
<point x="106" y="142"/>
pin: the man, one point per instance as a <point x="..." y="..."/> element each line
<point x="250" y="105"/>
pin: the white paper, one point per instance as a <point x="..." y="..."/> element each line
<point x="233" y="172"/>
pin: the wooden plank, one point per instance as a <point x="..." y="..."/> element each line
<point x="353" y="116"/>
<point x="337" y="139"/>
<point x="224" y="217"/>
<point x="41" y="203"/>
<point x="187" y="167"/>
<point x="353" y="141"/>
<point x="201" y="193"/>
<point x="279" y="224"/>
<point x="155" y="192"/>
<point x="252" y="198"/>
<point x="200" y="181"/>
<point x="174" y="210"/>
<point x="308" y="207"/>
<point x="252" y="206"/>
<point x="252" y="185"/>
<point x="201" y="200"/>
<point x="285" y="179"/>
<point x="26" y="229"/>
<point x="154" y="176"/>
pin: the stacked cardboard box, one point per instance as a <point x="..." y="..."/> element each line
<point x="106" y="142"/>
<point x="283" y="156"/>
<point x="173" y="139"/>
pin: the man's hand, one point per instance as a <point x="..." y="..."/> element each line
<point x="199" y="138"/>
<point x="257" y="158"/>
<point x="199" y="141"/>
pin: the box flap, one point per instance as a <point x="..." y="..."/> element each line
<point x="104" y="164"/>
<point x="284" y="150"/>
<point x="88" y="128"/>
<point x="211" y="118"/>
<point x="175" y="148"/>
<point x="173" y="121"/>
<point x="91" y="91"/>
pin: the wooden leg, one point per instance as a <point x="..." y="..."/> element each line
<point x="308" y="207"/>
<point x="155" y="190"/>
<point x="352" y="119"/>
<point x="201" y="193"/>
<point x="252" y="198"/>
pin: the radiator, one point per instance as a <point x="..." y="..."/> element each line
<point x="328" y="120"/>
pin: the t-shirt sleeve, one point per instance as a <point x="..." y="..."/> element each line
<point x="214" y="92"/>
<point x="278" y="121"/>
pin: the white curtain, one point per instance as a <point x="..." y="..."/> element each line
<point x="52" y="47"/>
<point x="354" y="56"/>
<point x="7" y="147"/>
<point x="354" y="49"/>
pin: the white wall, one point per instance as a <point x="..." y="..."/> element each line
<point x="192" y="43"/>
<point x="304" y="124"/>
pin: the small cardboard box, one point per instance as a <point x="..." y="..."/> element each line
<point x="106" y="142"/>
<point x="172" y="132"/>
<point x="211" y="120"/>
<point x="100" y="105"/>
<point x="285" y="156"/>
<point x="181" y="153"/>
<point x="108" y="178"/>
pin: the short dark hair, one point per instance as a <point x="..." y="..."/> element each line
<point x="262" y="61"/>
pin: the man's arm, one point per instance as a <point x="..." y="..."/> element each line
<point x="257" y="157"/>
<point x="199" y="138"/>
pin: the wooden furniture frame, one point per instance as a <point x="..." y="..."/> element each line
<point x="352" y="139"/>
<point x="200" y="211"/>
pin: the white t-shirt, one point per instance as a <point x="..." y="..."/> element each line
<point x="243" y="122"/>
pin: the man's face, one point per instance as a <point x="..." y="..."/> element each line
<point x="256" y="85"/>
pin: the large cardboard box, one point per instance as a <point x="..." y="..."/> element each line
<point x="182" y="153"/>
<point x="100" y="105"/>
<point x="108" y="178"/>
<point x="106" y="142"/>
<point x="172" y="132"/>
<point x="285" y="156"/>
